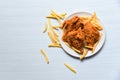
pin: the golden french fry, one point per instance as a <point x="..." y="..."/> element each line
<point x="70" y="68"/>
<point x="94" y="21"/>
<point x="54" y="45"/>
<point x="89" y="47"/>
<point x="56" y="27"/>
<point x="51" y="16"/>
<point x="72" y="48"/>
<point x="75" y="50"/>
<point x="45" y="55"/>
<point x="45" y="28"/>
<point x="94" y="17"/>
<point x="55" y="35"/>
<point x="84" y="54"/>
<point x="97" y="25"/>
<point x="51" y="36"/>
<point x="63" y="15"/>
<point x="54" y="13"/>
<point x="54" y="32"/>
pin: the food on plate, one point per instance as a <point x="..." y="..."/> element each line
<point x="82" y="33"/>
<point x="45" y="55"/>
<point x="70" y="68"/>
<point x="95" y="22"/>
<point x="92" y="35"/>
<point x="94" y="47"/>
<point x="84" y="54"/>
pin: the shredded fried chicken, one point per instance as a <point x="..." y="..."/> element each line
<point x="79" y="32"/>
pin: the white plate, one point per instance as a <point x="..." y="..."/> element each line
<point x="71" y="51"/>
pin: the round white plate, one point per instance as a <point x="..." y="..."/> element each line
<point x="71" y="51"/>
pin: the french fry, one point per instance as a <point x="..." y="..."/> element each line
<point x="75" y="50"/>
<point x="70" y="68"/>
<point x="72" y="48"/>
<point x="54" y="13"/>
<point x="84" y="54"/>
<point x="97" y="25"/>
<point x="45" y="28"/>
<point x="56" y="27"/>
<point x="54" y="45"/>
<point x="94" y="17"/>
<point x="55" y="35"/>
<point x="94" y="21"/>
<point x="63" y="15"/>
<point x="49" y="22"/>
<point x="51" y="16"/>
<point x="89" y="47"/>
<point x="54" y="32"/>
<point x="45" y="55"/>
<point x="51" y="36"/>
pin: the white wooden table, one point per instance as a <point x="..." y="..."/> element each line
<point x="21" y="37"/>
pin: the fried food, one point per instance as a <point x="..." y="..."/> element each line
<point x="70" y="68"/>
<point x="81" y="33"/>
<point x="45" y="55"/>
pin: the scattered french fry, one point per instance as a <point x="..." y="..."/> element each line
<point x="45" y="28"/>
<point x="54" y="35"/>
<point x="45" y="55"/>
<point x="63" y="15"/>
<point x="57" y="17"/>
<point x="51" y="16"/>
<point x="54" y="13"/>
<point x="51" y="36"/>
<point x="70" y="68"/>
<point x="54" y="45"/>
<point x="54" y="32"/>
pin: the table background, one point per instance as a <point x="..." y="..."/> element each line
<point x="21" y="37"/>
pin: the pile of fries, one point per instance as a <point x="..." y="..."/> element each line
<point x="52" y="33"/>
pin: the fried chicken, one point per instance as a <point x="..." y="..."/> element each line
<point x="79" y="34"/>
